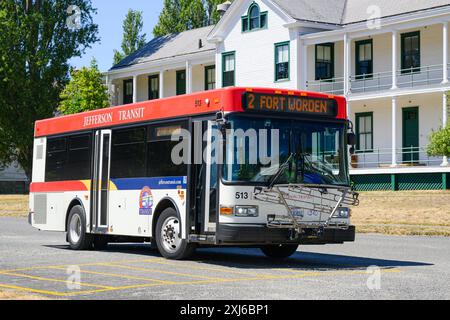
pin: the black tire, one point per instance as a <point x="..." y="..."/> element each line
<point x="282" y="251"/>
<point x="100" y="242"/>
<point x="177" y="252"/>
<point x="84" y="240"/>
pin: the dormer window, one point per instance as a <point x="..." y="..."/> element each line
<point x="255" y="19"/>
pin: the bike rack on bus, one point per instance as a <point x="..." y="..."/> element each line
<point x="319" y="199"/>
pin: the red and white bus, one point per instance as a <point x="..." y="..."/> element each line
<point x="110" y="176"/>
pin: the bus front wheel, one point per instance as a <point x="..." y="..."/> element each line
<point x="76" y="230"/>
<point x="168" y="237"/>
<point x="281" y="251"/>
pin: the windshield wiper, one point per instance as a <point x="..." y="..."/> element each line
<point x="280" y="171"/>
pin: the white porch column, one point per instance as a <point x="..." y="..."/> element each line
<point x="135" y="85"/>
<point x="394" y="59"/>
<point x="445" y="52"/>
<point x="109" y="90"/>
<point x="188" y="77"/>
<point x="347" y="54"/>
<point x="444" y="122"/>
<point x="304" y="64"/>
<point x="394" y="132"/>
<point x="161" y="84"/>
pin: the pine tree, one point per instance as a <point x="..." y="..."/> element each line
<point x="133" y="39"/>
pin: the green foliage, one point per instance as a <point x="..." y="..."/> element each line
<point x="440" y="143"/>
<point x="211" y="10"/>
<point x="133" y="39"/>
<point x="85" y="91"/>
<point x="182" y="15"/>
<point x="35" y="47"/>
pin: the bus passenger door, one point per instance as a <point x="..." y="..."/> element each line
<point x="100" y="181"/>
<point x="211" y="177"/>
<point x="204" y="188"/>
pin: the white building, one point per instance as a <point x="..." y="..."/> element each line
<point x="389" y="58"/>
<point x="13" y="180"/>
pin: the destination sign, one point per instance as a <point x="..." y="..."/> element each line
<point x="261" y="102"/>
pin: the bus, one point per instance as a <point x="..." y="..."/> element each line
<point x="256" y="167"/>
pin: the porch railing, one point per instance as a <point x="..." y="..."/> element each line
<point x="406" y="78"/>
<point x="382" y="158"/>
<point x="331" y="86"/>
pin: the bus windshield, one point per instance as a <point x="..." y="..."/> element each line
<point x="316" y="151"/>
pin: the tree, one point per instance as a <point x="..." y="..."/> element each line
<point x="440" y="143"/>
<point x="37" y="39"/>
<point x="133" y="38"/>
<point x="85" y="91"/>
<point x="212" y="15"/>
<point x="180" y="15"/>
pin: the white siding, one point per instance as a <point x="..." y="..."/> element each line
<point x="255" y="58"/>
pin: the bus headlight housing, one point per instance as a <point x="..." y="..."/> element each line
<point x="246" y="211"/>
<point x="342" y="213"/>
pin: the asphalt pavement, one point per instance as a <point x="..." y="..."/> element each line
<point x="374" y="267"/>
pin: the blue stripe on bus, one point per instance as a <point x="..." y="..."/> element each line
<point x="152" y="183"/>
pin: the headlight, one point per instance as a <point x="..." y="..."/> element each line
<point x="246" y="211"/>
<point x="343" y="213"/>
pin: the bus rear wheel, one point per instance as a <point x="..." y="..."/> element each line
<point x="76" y="230"/>
<point x="168" y="237"/>
<point x="281" y="251"/>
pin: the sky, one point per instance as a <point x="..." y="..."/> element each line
<point x="109" y="18"/>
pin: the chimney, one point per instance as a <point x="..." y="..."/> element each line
<point x="222" y="8"/>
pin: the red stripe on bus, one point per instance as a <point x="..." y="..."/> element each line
<point x="227" y="100"/>
<point x="59" y="186"/>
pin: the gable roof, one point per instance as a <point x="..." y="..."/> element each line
<point x="169" y="46"/>
<point x="342" y="12"/>
<point x="324" y="11"/>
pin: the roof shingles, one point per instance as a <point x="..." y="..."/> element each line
<point x="172" y="45"/>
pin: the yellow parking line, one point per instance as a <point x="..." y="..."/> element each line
<point x="21" y="275"/>
<point x="299" y="275"/>
<point x="118" y="275"/>
<point x="68" y="265"/>
<point x="191" y="266"/>
<point x="51" y="293"/>
<point x="161" y="271"/>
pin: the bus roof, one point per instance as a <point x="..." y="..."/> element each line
<point x="226" y="100"/>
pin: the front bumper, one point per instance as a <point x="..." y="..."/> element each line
<point x="261" y="234"/>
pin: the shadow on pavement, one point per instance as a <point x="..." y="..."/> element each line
<point x="252" y="258"/>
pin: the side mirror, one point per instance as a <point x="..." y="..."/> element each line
<point x="351" y="139"/>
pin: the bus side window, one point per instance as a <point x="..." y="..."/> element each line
<point x="79" y="158"/>
<point x="56" y="159"/>
<point x="128" y="153"/>
<point x="68" y="158"/>
<point x="160" y="145"/>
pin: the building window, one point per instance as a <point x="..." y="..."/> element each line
<point x="364" y="59"/>
<point x="181" y="82"/>
<point x="228" y="69"/>
<point x="282" y="53"/>
<point x="210" y="78"/>
<point x="255" y="19"/>
<point x="128" y="91"/>
<point x="153" y="87"/>
<point x="410" y="52"/>
<point x="324" y="61"/>
<point x="364" y="132"/>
